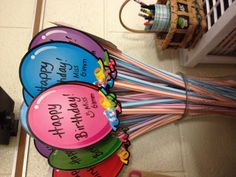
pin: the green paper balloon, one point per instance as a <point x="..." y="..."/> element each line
<point x="86" y="157"/>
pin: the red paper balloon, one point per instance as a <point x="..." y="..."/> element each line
<point x="108" y="168"/>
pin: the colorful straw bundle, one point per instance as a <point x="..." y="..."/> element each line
<point x="84" y="99"/>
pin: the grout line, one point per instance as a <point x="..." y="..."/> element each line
<point x="104" y="19"/>
<point x="16" y="150"/>
<point x="22" y="149"/>
<point x="15" y="27"/>
<point x="112" y="31"/>
<point x="5" y="174"/>
<point x="17" y="171"/>
<point x="173" y="70"/>
<point x="169" y="171"/>
<point x="33" y="18"/>
<point x="182" y="150"/>
<point x="43" y="14"/>
<point x="25" y="162"/>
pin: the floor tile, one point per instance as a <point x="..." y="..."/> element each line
<point x="5" y="175"/>
<point x="125" y="173"/>
<point x="158" y="150"/>
<point x="7" y="156"/>
<point x="14" y="44"/>
<point x="37" y="164"/>
<point x="208" y="146"/>
<point x="85" y="15"/>
<point x="206" y="70"/>
<point x="142" y="47"/>
<point x="193" y="148"/>
<point x="16" y="13"/>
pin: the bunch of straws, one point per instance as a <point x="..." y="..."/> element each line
<point x="144" y="89"/>
<point x="143" y="97"/>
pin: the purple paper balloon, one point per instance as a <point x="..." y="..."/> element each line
<point x="43" y="149"/>
<point x="67" y="34"/>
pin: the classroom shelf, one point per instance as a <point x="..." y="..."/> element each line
<point x="218" y="44"/>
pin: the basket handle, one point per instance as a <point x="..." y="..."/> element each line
<point x="128" y="28"/>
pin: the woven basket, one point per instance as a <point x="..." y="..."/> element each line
<point x="180" y="24"/>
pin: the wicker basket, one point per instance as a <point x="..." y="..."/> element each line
<point x="188" y="24"/>
<point x="177" y="23"/>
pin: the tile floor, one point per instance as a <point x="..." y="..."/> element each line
<point x="196" y="147"/>
<point x="15" y="34"/>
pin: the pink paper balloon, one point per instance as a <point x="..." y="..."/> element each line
<point x="69" y="116"/>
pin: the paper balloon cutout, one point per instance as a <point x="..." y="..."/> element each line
<point x="86" y="157"/>
<point x="71" y="116"/>
<point x="71" y="35"/>
<point x="27" y="98"/>
<point x="108" y="168"/>
<point x="58" y="62"/>
<point x="23" y="117"/>
<point x="43" y="149"/>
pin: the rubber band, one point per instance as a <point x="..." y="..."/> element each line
<point x="186" y="109"/>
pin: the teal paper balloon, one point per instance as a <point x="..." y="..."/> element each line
<point x="56" y="62"/>
<point x="23" y="118"/>
<point x="27" y="98"/>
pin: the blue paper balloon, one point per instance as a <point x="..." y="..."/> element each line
<point x="23" y="117"/>
<point x="57" y="62"/>
<point x="27" y="98"/>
